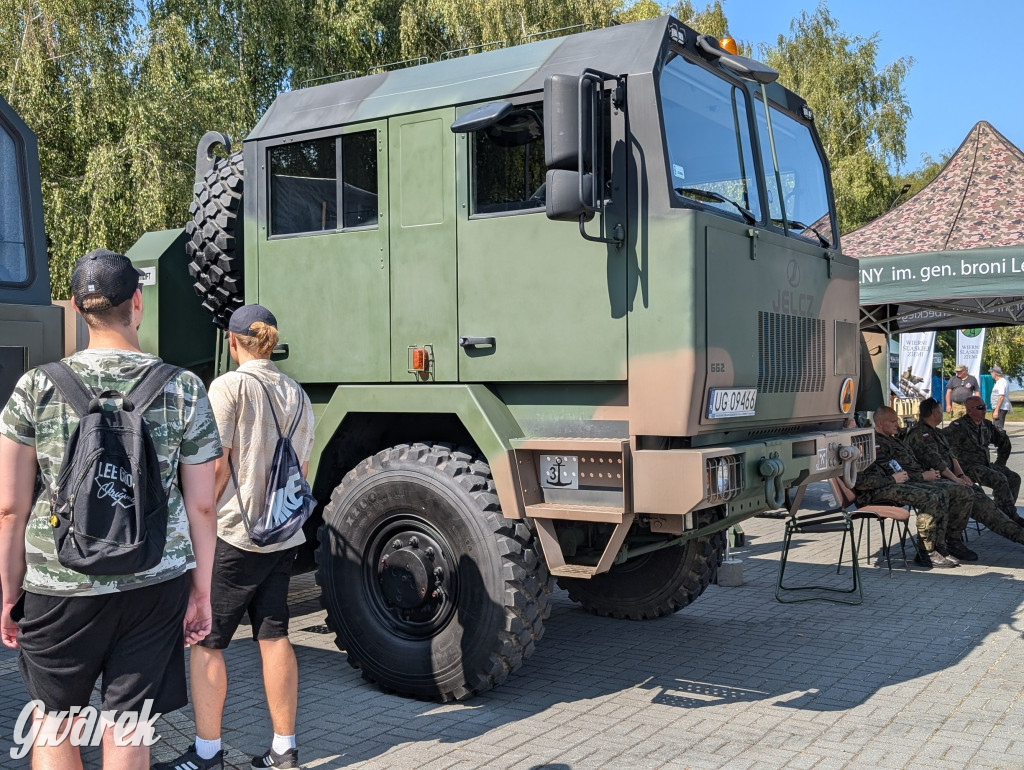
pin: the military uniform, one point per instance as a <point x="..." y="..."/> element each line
<point x="969" y="444"/>
<point x="181" y="425"/>
<point x="932" y="451"/>
<point x="932" y="500"/>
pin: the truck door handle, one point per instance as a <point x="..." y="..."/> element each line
<point x="472" y="342"/>
<point x="280" y="352"/>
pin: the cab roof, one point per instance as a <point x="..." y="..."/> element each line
<point x="623" y="49"/>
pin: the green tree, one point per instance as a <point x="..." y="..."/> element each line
<point x="1005" y="346"/>
<point x="861" y="110"/>
<point x="918" y="178"/>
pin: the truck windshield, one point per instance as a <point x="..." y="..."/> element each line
<point x="804" y="194"/>
<point x="708" y="137"/>
<point x="13" y="258"/>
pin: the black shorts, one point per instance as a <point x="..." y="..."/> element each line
<point x="247" y="581"/>
<point x="134" y="639"/>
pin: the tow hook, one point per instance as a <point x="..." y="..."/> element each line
<point x="772" y="468"/>
<point x="849" y="456"/>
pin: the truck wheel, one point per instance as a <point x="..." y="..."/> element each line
<point x="428" y="588"/>
<point x="653" y="585"/>
<point x="214" y="246"/>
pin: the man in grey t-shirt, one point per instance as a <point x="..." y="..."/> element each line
<point x="961" y="386"/>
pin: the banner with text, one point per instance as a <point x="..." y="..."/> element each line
<point x="969" y="343"/>
<point x="915" y="370"/>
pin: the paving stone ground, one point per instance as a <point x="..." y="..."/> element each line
<point x="926" y="673"/>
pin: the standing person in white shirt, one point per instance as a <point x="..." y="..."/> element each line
<point x="249" y="578"/>
<point x="1000" y="397"/>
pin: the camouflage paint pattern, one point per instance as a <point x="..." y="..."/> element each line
<point x="183" y="431"/>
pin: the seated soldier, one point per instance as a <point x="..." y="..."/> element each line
<point x="931" y="451"/>
<point x="969" y="438"/>
<point x="896" y="477"/>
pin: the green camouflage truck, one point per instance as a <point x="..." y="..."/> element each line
<point x="31" y="328"/>
<point x="567" y="310"/>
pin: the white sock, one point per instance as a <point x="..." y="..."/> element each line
<point x="207" y="749"/>
<point x="282" y="743"/>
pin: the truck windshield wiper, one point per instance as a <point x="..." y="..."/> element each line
<point x="792" y="224"/>
<point x="710" y="195"/>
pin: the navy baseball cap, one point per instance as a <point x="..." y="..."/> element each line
<point x="107" y="274"/>
<point x="243" y="319"/>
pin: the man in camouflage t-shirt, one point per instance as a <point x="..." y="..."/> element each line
<point x="71" y="628"/>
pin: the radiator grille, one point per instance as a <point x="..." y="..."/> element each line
<point x="792" y="353"/>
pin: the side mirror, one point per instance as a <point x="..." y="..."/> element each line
<point x="563" y="201"/>
<point x="562" y="128"/>
<point x="576" y="133"/>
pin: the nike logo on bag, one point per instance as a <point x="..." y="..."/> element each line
<point x="288" y="500"/>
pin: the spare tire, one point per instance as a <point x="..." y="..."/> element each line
<point x="214" y="246"/>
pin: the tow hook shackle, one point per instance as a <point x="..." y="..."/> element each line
<point x="772" y="468"/>
<point x="849" y="455"/>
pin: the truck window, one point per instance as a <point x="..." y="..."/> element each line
<point x="802" y="175"/>
<point x="304" y="187"/>
<point x="508" y="163"/>
<point x="708" y="137"/>
<point x="359" y="179"/>
<point x="13" y="254"/>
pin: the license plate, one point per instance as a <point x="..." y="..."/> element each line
<point x="559" y="471"/>
<point x="731" y="402"/>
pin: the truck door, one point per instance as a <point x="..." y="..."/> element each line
<point x="423" y="310"/>
<point x="323" y="252"/>
<point x="553" y="302"/>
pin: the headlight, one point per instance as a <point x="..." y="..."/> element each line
<point x="723" y="478"/>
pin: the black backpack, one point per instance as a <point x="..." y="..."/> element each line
<point x="289" y="502"/>
<point x="109" y="509"/>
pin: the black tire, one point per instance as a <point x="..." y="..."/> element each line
<point x="653" y="585"/>
<point x="214" y="245"/>
<point x="392" y="523"/>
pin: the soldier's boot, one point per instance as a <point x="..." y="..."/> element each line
<point x="957" y="549"/>
<point x="943" y="551"/>
<point x="942" y="561"/>
<point x="929" y="555"/>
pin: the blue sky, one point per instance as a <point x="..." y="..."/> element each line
<point x="965" y="57"/>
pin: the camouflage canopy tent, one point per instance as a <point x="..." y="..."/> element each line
<point x="952" y="255"/>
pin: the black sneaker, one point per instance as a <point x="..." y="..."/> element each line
<point x="192" y="761"/>
<point x="960" y="551"/>
<point x="921" y="560"/>
<point x="289" y="760"/>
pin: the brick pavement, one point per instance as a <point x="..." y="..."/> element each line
<point x="926" y="673"/>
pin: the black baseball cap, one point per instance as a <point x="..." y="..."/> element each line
<point x="243" y="319"/>
<point x="107" y="274"/>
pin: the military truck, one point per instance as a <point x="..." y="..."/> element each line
<point x="567" y="310"/>
<point x="31" y="328"/>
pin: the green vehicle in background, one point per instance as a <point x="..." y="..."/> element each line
<point x="31" y="328"/>
<point x="567" y="310"/>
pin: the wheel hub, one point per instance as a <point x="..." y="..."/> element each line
<point x="413" y="577"/>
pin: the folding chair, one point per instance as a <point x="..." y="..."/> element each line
<point x="898" y="517"/>
<point x="833" y="520"/>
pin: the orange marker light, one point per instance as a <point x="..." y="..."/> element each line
<point x="728" y="44"/>
<point x="420" y="360"/>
